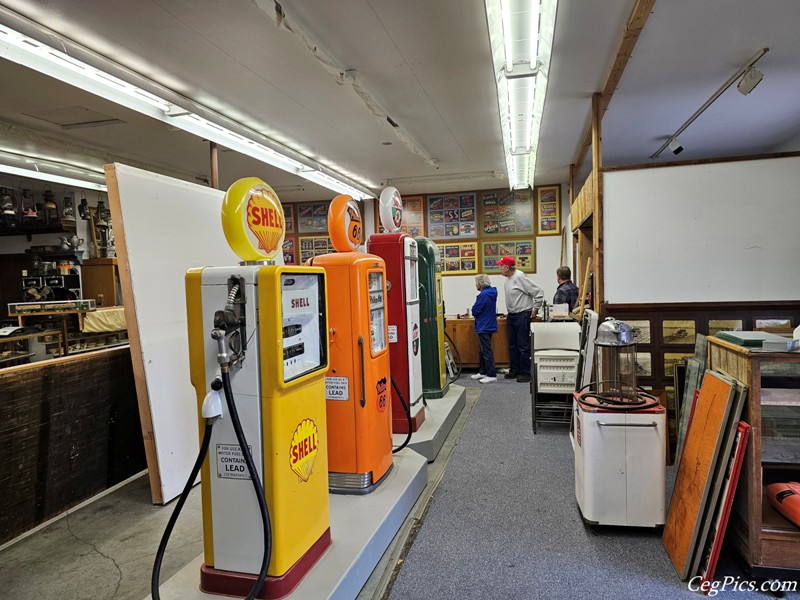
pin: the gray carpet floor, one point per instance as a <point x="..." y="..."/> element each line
<point x="504" y="522"/>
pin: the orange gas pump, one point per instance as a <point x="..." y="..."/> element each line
<point x="358" y="381"/>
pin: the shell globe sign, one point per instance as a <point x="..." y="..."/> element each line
<point x="252" y="220"/>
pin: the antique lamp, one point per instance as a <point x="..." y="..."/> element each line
<point x="8" y="209"/>
<point x="68" y="216"/>
<point x="29" y="212"/>
<point x="50" y="208"/>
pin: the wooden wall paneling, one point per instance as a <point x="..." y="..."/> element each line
<point x="69" y="429"/>
<point x="695" y="471"/>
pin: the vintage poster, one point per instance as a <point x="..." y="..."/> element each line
<point x="452" y="216"/>
<point x="548" y="210"/>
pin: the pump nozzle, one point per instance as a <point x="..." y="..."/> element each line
<point x="212" y="405"/>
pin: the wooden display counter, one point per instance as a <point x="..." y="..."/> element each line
<point x="462" y="332"/>
<point x="70" y="429"/>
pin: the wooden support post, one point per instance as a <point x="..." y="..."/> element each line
<point x="214" y="165"/>
<point x="582" y="289"/>
<point x="597" y="210"/>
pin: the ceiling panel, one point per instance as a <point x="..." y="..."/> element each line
<point x="426" y="65"/>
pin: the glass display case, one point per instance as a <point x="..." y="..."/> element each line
<point x="25" y="347"/>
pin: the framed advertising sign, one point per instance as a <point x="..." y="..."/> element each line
<point x="452" y="216"/>
<point x="459" y="258"/>
<point x="548" y="210"/>
<point x="290" y="251"/>
<point x="312" y="217"/>
<point x="523" y="251"/>
<point x="288" y="218"/>
<point x="314" y="245"/>
<point x="507" y="212"/>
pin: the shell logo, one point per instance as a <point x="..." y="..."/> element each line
<point x="303" y="449"/>
<point x="265" y="219"/>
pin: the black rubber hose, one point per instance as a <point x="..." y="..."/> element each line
<point x="406" y="408"/>
<point x="162" y="547"/>
<point x="458" y="357"/>
<point x="259" y="489"/>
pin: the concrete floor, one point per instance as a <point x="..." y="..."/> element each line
<point x="105" y="549"/>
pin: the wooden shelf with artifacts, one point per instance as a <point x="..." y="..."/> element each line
<point x="768" y="542"/>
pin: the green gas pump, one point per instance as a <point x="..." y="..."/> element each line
<point x="434" y="375"/>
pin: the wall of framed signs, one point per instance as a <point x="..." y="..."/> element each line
<point x="473" y="229"/>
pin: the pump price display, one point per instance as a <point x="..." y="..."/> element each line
<point x="230" y="462"/>
<point x="337" y="388"/>
<point x="302" y="345"/>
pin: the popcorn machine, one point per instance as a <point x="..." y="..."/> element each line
<point x="619" y="436"/>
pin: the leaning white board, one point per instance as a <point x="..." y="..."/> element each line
<point x="702" y="233"/>
<point x="163" y="227"/>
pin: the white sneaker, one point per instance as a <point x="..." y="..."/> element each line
<point x="478" y="376"/>
<point x="488" y="379"/>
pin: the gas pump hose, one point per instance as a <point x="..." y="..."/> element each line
<point x="408" y="417"/>
<point x="174" y="518"/>
<point x="256" y="480"/>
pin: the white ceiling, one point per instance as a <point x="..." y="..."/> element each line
<point x="424" y="63"/>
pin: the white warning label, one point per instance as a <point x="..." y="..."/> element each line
<point x="392" y="334"/>
<point x="337" y="388"/>
<point x="230" y="462"/>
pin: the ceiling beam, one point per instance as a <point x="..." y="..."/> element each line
<point x="639" y="15"/>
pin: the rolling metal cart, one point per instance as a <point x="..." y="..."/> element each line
<point x="555" y="352"/>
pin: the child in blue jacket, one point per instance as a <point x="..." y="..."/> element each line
<point x="485" y="312"/>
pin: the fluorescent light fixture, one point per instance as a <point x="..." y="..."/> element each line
<point x="521" y="39"/>
<point x="24" y="50"/>
<point x="33" y="174"/>
<point x="331" y="183"/>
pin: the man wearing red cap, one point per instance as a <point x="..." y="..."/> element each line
<point x="523" y="299"/>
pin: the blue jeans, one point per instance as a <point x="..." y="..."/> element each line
<point x="486" y="359"/>
<point x="519" y="342"/>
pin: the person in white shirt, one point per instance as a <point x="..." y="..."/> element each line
<point x="523" y="299"/>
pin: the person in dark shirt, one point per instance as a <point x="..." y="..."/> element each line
<point x="567" y="292"/>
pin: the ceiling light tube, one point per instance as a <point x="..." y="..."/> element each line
<point x="28" y="52"/>
<point x="34" y="174"/>
<point x="521" y="93"/>
<point x="332" y="183"/>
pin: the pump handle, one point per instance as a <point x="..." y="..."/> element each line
<point x="363" y="374"/>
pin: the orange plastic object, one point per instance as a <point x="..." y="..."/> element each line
<point x="785" y="498"/>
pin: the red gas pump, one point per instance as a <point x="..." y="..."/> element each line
<point x="399" y="252"/>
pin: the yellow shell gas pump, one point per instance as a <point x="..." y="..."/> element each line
<point x="259" y="332"/>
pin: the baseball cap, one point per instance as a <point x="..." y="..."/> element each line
<point x="507" y="260"/>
